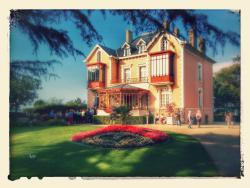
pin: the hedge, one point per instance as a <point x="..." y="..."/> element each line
<point x="133" y="120"/>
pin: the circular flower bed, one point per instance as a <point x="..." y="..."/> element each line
<point x="121" y="136"/>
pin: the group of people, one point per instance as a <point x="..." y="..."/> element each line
<point x="191" y="118"/>
<point x="75" y="116"/>
<point x="163" y="118"/>
<point x="177" y="118"/>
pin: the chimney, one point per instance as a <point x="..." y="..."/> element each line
<point x="166" y="25"/>
<point x="176" y="32"/>
<point x="192" y="37"/>
<point x="201" y="45"/>
<point x="129" y="36"/>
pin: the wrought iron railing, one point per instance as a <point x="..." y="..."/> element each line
<point x="135" y="80"/>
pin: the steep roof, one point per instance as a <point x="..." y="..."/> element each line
<point x="108" y="50"/>
<point x="197" y="52"/>
<point x="147" y="38"/>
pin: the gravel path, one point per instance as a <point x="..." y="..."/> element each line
<point x="222" y="144"/>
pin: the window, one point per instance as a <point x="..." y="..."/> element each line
<point x="164" y="44"/>
<point x="141" y="48"/>
<point x="171" y="65"/>
<point x="199" y="67"/>
<point x="126" y="74"/>
<point x="165" y="97"/>
<point x="159" y="65"/>
<point x="98" y="56"/>
<point x="127" y="51"/>
<point x="143" y="73"/>
<point x="93" y="74"/>
<point x="200" y="98"/>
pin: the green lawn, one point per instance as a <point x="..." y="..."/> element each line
<point x="56" y="155"/>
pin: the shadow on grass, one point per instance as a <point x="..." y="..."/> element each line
<point x="225" y="152"/>
<point x="182" y="156"/>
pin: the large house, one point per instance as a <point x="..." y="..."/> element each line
<point x="149" y="72"/>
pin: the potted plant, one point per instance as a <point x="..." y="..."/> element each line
<point x="170" y="113"/>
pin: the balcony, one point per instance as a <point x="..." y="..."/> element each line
<point x="162" y="79"/>
<point x="96" y="84"/>
<point x="96" y="75"/>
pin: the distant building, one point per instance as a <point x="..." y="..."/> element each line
<point x="151" y="71"/>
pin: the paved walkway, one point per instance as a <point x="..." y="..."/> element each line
<point x="222" y="144"/>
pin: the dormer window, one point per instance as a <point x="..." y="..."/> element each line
<point x="141" y="48"/>
<point x="164" y="44"/>
<point x="127" y="51"/>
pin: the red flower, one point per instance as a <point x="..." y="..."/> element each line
<point x="155" y="135"/>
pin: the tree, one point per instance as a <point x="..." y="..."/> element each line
<point x="227" y="87"/>
<point x="25" y="81"/>
<point x="39" y="103"/>
<point x="23" y="91"/>
<point x="77" y="103"/>
<point x="41" y="26"/>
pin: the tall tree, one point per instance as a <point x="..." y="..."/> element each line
<point x="227" y="87"/>
<point x="25" y="81"/>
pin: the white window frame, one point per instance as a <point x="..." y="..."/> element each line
<point x="99" y="56"/>
<point x="123" y="73"/>
<point x="139" y="71"/>
<point x="200" y="98"/>
<point x="127" y="51"/>
<point x="167" y="94"/>
<point x="164" y="43"/>
<point x="199" y="72"/>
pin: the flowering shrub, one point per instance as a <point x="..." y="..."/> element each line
<point x="155" y="135"/>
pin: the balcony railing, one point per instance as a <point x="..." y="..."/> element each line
<point x="135" y="80"/>
<point x="158" y="79"/>
<point x="96" y="84"/>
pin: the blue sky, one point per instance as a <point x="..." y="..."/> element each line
<point x="72" y="73"/>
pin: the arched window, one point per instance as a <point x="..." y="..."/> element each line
<point x="98" y="56"/>
<point x="164" y="44"/>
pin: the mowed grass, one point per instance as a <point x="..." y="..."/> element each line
<point x="48" y="151"/>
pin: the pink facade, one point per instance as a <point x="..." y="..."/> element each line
<point x="192" y="84"/>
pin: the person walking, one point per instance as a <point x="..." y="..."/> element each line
<point x="190" y="119"/>
<point x="228" y="119"/>
<point x="178" y="117"/>
<point x="198" y="117"/>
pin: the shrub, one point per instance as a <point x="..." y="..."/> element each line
<point x="132" y="120"/>
<point x="121" y="113"/>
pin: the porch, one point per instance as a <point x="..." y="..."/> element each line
<point x="123" y="95"/>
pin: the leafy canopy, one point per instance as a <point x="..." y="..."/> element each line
<point x="227" y="87"/>
<point x="41" y="26"/>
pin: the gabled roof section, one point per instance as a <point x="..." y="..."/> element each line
<point x="125" y="43"/>
<point x="107" y="50"/>
<point x="149" y="39"/>
<point x="139" y="41"/>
